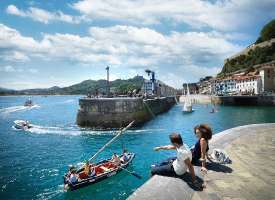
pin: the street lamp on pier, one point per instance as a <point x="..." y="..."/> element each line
<point x="108" y="83"/>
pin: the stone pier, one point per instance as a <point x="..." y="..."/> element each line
<point x="250" y="176"/>
<point x="267" y="100"/>
<point x="106" y="113"/>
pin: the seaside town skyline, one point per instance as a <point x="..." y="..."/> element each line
<point x="61" y="43"/>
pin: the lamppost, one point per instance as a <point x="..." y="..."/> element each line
<point x="108" y="84"/>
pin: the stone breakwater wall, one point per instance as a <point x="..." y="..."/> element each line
<point x="108" y="113"/>
<point x="245" y="100"/>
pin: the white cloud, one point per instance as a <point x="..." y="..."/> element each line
<point x="129" y="48"/>
<point x="23" y="84"/>
<point x="219" y="14"/>
<point x="33" y="71"/>
<point x="44" y="16"/>
<point x="15" y="56"/>
<point x="12" y="39"/>
<point x="7" y="68"/>
<point x="12" y="69"/>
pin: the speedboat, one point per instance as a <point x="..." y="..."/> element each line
<point x="103" y="170"/>
<point x="22" y="124"/>
<point x="28" y="103"/>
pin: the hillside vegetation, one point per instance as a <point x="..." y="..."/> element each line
<point x="118" y="86"/>
<point x="255" y="56"/>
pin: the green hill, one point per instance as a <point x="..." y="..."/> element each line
<point x="267" y="33"/>
<point x="262" y="51"/>
<point x="118" y="86"/>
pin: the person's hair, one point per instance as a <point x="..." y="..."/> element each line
<point x="205" y="130"/>
<point x="175" y="138"/>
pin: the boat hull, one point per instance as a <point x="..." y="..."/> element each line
<point x="93" y="180"/>
<point x="187" y="108"/>
<point x="21" y="124"/>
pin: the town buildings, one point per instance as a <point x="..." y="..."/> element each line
<point x="260" y="79"/>
<point x="157" y="88"/>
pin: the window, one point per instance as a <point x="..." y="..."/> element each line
<point x="268" y="73"/>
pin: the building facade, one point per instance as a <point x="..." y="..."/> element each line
<point x="157" y="88"/>
<point x="259" y="80"/>
<point x="267" y="74"/>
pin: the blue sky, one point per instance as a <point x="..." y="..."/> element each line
<point x="62" y="42"/>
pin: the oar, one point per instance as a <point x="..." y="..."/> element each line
<point x="132" y="173"/>
<point x="108" y="143"/>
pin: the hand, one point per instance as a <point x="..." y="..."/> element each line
<point x="157" y="148"/>
<point x="204" y="170"/>
<point x="196" y="184"/>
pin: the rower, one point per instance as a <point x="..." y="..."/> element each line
<point x="115" y="159"/>
<point x="73" y="177"/>
<point x="87" y="169"/>
<point x="124" y="157"/>
<point x="92" y="168"/>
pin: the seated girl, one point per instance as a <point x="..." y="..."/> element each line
<point x="200" y="151"/>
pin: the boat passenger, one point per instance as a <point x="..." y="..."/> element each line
<point x="87" y="168"/>
<point x="71" y="168"/>
<point x="115" y="160"/>
<point x="73" y="177"/>
<point x="200" y="151"/>
<point x="124" y="157"/>
<point x="180" y="164"/>
<point x="93" y="170"/>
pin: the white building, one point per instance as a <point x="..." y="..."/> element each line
<point x="249" y="85"/>
<point x="237" y="85"/>
<point x="157" y="88"/>
<point x="267" y="74"/>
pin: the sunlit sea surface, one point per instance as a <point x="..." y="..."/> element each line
<point x="33" y="162"/>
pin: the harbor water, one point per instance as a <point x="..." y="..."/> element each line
<point x="33" y="162"/>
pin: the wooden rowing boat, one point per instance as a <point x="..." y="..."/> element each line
<point x="104" y="169"/>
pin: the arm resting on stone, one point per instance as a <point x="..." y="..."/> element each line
<point x="191" y="169"/>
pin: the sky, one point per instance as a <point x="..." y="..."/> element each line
<point x="47" y="43"/>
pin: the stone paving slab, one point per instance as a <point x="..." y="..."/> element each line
<point x="250" y="176"/>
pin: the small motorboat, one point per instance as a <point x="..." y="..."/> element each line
<point x="22" y="124"/>
<point x="28" y="103"/>
<point x="103" y="169"/>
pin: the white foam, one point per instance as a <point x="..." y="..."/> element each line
<point x="75" y="131"/>
<point x="50" y="193"/>
<point x="72" y="131"/>
<point x="69" y="101"/>
<point x="17" y="108"/>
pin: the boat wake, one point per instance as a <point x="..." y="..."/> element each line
<point x="51" y="193"/>
<point x="17" y="108"/>
<point x="74" y="130"/>
<point x="69" y="101"/>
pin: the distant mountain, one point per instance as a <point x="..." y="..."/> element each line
<point x="118" y="86"/>
<point x="4" y="91"/>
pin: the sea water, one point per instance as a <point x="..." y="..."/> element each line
<point x="33" y="162"/>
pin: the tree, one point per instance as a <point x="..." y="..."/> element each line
<point x="268" y="32"/>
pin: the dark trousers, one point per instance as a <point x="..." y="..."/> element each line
<point x="165" y="168"/>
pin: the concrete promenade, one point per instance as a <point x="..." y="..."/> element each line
<point x="250" y="176"/>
